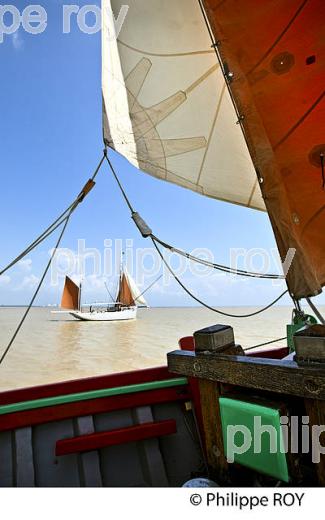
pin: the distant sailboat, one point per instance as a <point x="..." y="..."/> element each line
<point x="125" y="307"/>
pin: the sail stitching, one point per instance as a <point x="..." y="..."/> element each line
<point x="279" y="38"/>
<point x="166" y="55"/>
<point x="211" y="131"/>
<point x="300" y="121"/>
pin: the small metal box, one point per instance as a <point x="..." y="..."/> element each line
<point x="216" y="338"/>
<point x="309" y="344"/>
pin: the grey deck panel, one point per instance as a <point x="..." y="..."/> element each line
<point x="149" y="452"/>
<point x="27" y="455"/>
<point x="120" y="465"/>
<point x="181" y="452"/>
<point x="23" y="458"/>
<point x="6" y="460"/>
<point x="89" y="462"/>
<point x="52" y="471"/>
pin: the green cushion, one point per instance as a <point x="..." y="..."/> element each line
<point x="259" y="452"/>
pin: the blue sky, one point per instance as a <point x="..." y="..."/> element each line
<point x="51" y="141"/>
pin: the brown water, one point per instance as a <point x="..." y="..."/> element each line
<point x="53" y="348"/>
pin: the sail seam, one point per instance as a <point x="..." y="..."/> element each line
<point x="301" y="120"/>
<point x="211" y="132"/>
<point x="167" y="55"/>
<point x="279" y="38"/>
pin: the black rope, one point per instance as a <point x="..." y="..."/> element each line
<point x="38" y="240"/>
<point x="205" y="304"/>
<point x="219" y="267"/>
<point x="99" y="166"/>
<point x="37" y="290"/>
<point x="149" y="287"/>
<point x="153" y="239"/>
<point x="316" y="311"/>
<point x="118" y="182"/>
<point x="109" y="292"/>
<point x="266" y="343"/>
<point x="57" y="223"/>
<point x="62" y="219"/>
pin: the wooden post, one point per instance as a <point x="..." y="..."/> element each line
<point x="217" y="463"/>
<point x="218" y="339"/>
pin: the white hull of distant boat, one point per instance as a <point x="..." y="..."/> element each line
<point x="124" y="308"/>
<point x="129" y="313"/>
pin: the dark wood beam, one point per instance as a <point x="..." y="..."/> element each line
<point x="284" y="377"/>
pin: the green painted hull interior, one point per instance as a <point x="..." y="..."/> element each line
<point x="262" y="456"/>
<point x="94" y="394"/>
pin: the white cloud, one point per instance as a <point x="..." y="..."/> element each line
<point x="25" y="265"/>
<point x="29" y="282"/>
<point x="5" y="280"/>
<point x="94" y="282"/>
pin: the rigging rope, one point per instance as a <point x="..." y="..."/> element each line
<point x="219" y="267"/>
<point x="316" y="311"/>
<point x="218" y="311"/>
<point x="57" y="223"/>
<point x="62" y="219"/>
<point x="266" y="343"/>
<point x="149" y="287"/>
<point x="118" y="182"/>
<point x="146" y="232"/>
<point x="36" y="292"/>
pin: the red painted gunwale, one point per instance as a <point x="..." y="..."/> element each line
<point x="92" y="406"/>
<point x="86" y="385"/>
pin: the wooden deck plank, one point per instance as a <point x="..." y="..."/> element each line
<point x="153" y="461"/>
<point x="182" y="453"/>
<point x="24" y="463"/>
<point x="121" y="465"/>
<point x="6" y="460"/>
<point x="89" y="462"/>
<point x="52" y="471"/>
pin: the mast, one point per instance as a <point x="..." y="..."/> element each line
<point x="119" y="287"/>
<point x="79" y="299"/>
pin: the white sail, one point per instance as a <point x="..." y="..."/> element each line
<point x="135" y="291"/>
<point x="166" y="106"/>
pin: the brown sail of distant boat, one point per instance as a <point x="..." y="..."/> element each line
<point x="125" y="307"/>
